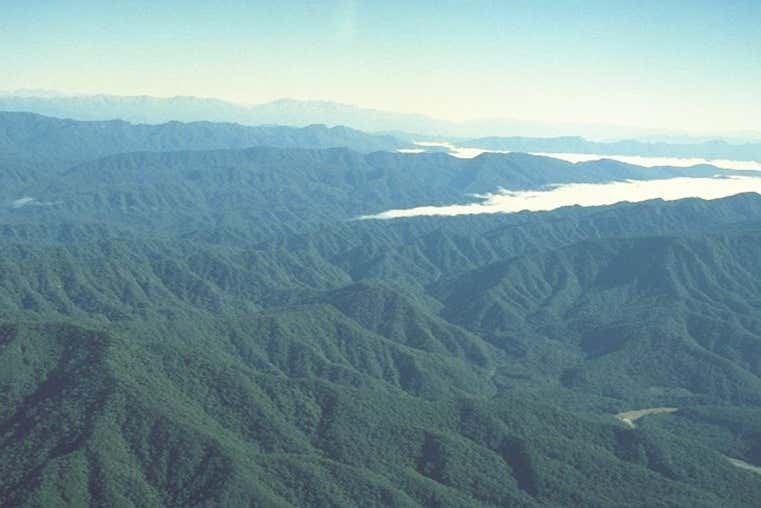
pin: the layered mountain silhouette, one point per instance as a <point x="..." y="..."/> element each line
<point x="39" y="137"/>
<point x="301" y="113"/>
<point x="191" y="315"/>
<point x="715" y="149"/>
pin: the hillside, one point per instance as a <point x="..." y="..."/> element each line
<point x="258" y="193"/>
<point x="27" y="135"/>
<point x="211" y="328"/>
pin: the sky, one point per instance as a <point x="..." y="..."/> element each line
<point x="687" y="66"/>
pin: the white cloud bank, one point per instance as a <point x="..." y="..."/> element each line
<point x="588" y="194"/>
<point x="21" y="202"/>
<point x="29" y="201"/>
<point x="638" y="160"/>
<point x="650" y="162"/>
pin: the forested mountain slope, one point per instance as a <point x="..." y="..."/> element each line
<point x="41" y="137"/>
<point x="214" y="328"/>
<point x="263" y="192"/>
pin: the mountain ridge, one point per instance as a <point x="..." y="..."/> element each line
<point x="211" y="328"/>
<point x="149" y="109"/>
<point x="22" y="134"/>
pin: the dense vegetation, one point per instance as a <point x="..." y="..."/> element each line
<point x="211" y="328"/>
<point x="41" y="137"/>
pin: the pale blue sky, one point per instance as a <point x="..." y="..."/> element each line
<point x="680" y="65"/>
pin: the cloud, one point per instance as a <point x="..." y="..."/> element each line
<point x="638" y="160"/>
<point x="30" y="201"/>
<point x="649" y="162"/>
<point x="587" y="194"/>
<point x="22" y="202"/>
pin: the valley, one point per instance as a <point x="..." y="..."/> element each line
<point x="214" y="327"/>
<point x="361" y="254"/>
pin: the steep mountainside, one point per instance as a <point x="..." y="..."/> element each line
<point x="210" y="328"/>
<point x="262" y="192"/>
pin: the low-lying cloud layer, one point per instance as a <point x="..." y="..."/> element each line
<point x="588" y="194"/>
<point x="30" y="201"/>
<point x="651" y="162"/>
<point x="638" y="160"/>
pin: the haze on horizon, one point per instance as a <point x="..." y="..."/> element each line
<point x="653" y="65"/>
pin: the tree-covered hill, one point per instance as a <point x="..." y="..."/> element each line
<point x="98" y="419"/>
<point x="262" y="193"/>
<point x="215" y="328"/>
<point x="26" y="135"/>
<point x="646" y="316"/>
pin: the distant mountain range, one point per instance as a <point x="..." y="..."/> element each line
<point x="199" y="322"/>
<point x="66" y="138"/>
<point x="147" y="109"/>
<point x="41" y="137"/>
<point x="715" y="149"/>
<point x="313" y="174"/>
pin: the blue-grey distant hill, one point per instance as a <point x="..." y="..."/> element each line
<point x="27" y="134"/>
<point x="146" y="109"/>
<point x="715" y="149"/>
<point x="300" y="113"/>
